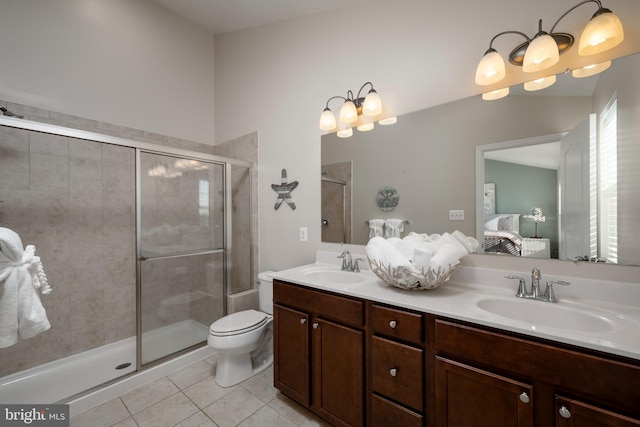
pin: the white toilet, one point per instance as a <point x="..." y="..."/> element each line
<point x="244" y="340"/>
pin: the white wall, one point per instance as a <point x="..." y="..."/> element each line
<point x="126" y="62"/>
<point x="276" y="79"/>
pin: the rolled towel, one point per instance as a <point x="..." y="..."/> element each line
<point x="460" y="237"/>
<point x="447" y="255"/>
<point x="421" y="258"/>
<point x="376" y="227"/>
<point x="382" y="251"/>
<point x="404" y="246"/>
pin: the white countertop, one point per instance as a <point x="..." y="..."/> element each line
<point x="614" y="307"/>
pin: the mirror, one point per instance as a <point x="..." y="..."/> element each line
<point x="429" y="156"/>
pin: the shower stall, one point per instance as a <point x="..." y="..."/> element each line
<point x="141" y="243"/>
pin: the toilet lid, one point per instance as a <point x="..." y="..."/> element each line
<point x="242" y="321"/>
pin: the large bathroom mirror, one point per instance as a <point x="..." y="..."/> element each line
<point x="429" y="157"/>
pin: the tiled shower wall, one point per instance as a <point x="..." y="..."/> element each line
<point x="74" y="199"/>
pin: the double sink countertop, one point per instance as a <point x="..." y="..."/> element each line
<point x="589" y="313"/>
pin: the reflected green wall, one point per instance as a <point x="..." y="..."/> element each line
<point x="541" y="187"/>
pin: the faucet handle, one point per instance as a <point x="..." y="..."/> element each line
<point x="343" y="254"/>
<point x="522" y="288"/>
<point x="535" y="273"/>
<point x="549" y="295"/>
<point x="356" y="267"/>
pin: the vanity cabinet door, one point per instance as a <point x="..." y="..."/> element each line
<point x="573" y="413"/>
<point x="467" y="396"/>
<point x="291" y="353"/>
<point x="338" y="373"/>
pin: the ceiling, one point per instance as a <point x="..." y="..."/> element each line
<point x="222" y="16"/>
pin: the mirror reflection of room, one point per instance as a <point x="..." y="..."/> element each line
<point x="429" y="158"/>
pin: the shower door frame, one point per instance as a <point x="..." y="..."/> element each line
<point x="150" y="147"/>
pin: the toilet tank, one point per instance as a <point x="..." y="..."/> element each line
<point x="265" y="291"/>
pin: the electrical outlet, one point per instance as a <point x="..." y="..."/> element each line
<point x="456" y="215"/>
<point x="304" y="236"/>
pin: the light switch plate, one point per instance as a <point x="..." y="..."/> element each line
<point x="456" y="215"/>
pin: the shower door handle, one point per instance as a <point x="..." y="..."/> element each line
<point x="143" y="258"/>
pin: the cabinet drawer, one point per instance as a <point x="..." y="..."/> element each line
<point x="395" y="323"/>
<point x="346" y="310"/>
<point x="602" y="379"/>
<point x="397" y="372"/>
<point x="386" y="414"/>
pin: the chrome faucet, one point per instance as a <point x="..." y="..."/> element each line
<point x="535" y="282"/>
<point x="547" y="296"/>
<point x="349" y="263"/>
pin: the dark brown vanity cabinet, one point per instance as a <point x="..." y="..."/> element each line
<point x="397" y="368"/>
<point x="357" y="362"/>
<point x="490" y="378"/>
<point x="319" y="342"/>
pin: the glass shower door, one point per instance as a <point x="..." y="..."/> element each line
<point x="181" y="252"/>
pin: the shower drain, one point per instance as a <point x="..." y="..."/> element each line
<point x="123" y="365"/>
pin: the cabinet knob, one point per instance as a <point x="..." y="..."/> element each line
<point x="303" y="320"/>
<point x="393" y="324"/>
<point x="315" y="325"/>
<point x="564" y="412"/>
<point x="393" y="372"/>
<point x="524" y="397"/>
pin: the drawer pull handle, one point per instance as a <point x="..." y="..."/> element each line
<point x="303" y="321"/>
<point x="315" y="325"/>
<point x="564" y="412"/>
<point x="524" y="397"/>
<point x="393" y="372"/>
<point x="393" y="324"/>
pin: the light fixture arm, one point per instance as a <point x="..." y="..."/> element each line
<point x="503" y="33"/>
<point x="326" y="107"/>
<point x="362" y="87"/>
<point x="599" y="11"/>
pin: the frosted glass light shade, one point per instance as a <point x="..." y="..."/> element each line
<point x="372" y="105"/>
<point x="327" y="120"/>
<point x="590" y="70"/>
<point x="388" y="121"/>
<point x="603" y="32"/>
<point x="495" y="94"/>
<point x="539" y="84"/>
<point x="365" y="127"/>
<point x="348" y="112"/>
<point x="345" y="133"/>
<point x="491" y="69"/>
<point x="542" y="53"/>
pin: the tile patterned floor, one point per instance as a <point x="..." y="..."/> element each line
<point x="190" y="397"/>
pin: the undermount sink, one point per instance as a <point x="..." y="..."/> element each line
<point x="335" y="276"/>
<point x="538" y="313"/>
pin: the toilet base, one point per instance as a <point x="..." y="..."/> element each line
<point x="232" y="369"/>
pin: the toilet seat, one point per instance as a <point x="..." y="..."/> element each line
<point x="238" y="323"/>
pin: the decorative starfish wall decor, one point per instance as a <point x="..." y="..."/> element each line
<point x="284" y="190"/>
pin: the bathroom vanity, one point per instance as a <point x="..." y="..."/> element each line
<point x="363" y="353"/>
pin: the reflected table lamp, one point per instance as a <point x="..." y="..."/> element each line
<point x="536" y="216"/>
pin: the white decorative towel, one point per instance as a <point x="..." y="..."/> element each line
<point x="375" y="227"/>
<point x="22" y="315"/>
<point x="393" y="227"/>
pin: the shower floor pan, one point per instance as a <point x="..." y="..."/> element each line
<point x="60" y="379"/>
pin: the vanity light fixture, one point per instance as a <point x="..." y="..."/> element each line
<point x="352" y="109"/>
<point x="603" y="32"/>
